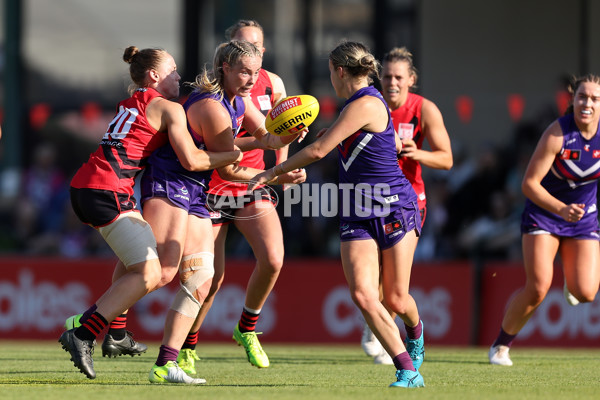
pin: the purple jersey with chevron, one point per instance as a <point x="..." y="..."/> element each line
<point x="165" y="157"/>
<point x="572" y="179"/>
<point x="371" y="182"/>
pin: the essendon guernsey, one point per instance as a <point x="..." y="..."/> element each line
<point x="124" y="149"/>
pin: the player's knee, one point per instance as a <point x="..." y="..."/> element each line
<point x="366" y="300"/>
<point x="585" y="295"/>
<point x="167" y="275"/>
<point x="537" y="294"/>
<point x="149" y="272"/>
<point x="197" y="271"/>
<point x="203" y="291"/>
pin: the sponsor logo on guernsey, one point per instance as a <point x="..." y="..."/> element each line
<point x="568" y="154"/>
<point x="596" y="154"/>
<point x="286" y="105"/>
<point x="592" y="208"/>
<point x="406" y="131"/>
<point x="111" y="143"/>
<point x="264" y="101"/>
<point x="586" y="147"/>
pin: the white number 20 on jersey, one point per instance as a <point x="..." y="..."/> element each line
<point x="121" y="124"/>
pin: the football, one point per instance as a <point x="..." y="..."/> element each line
<point x="292" y="114"/>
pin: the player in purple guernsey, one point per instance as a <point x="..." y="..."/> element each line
<point x="379" y="216"/>
<point x="174" y="200"/>
<point x="560" y="214"/>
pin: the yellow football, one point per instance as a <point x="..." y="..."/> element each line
<point x="292" y="114"/>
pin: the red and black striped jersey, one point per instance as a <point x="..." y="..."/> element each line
<point x="124" y="149"/>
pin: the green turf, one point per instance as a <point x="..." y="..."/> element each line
<point x="42" y="370"/>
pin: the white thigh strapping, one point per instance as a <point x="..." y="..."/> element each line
<point x="131" y="238"/>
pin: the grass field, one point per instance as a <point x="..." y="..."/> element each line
<point x="42" y="370"/>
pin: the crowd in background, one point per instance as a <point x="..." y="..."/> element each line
<point x="473" y="210"/>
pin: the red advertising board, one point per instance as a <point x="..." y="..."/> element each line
<point x="554" y="323"/>
<point x="310" y="302"/>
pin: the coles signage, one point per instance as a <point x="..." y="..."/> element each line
<point x="310" y="303"/>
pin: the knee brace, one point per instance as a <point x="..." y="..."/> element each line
<point x="195" y="270"/>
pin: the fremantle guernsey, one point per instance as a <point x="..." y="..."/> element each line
<point x="124" y="149"/>
<point x="407" y="122"/>
<point x="572" y="179"/>
<point x="371" y="182"/>
<point x="165" y="158"/>
<point x="262" y="97"/>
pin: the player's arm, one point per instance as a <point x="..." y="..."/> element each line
<point x="434" y="130"/>
<point x="541" y="161"/>
<point x="364" y="113"/>
<point x="254" y="122"/>
<point x="170" y="117"/>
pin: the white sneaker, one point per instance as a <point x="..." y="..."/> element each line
<point x="172" y="373"/>
<point x="572" y="300"/>
<point x="369" y="342"/>
<point x="383" y="358"/>
<point x="498" y="355"/>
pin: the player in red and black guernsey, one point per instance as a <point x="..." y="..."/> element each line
<point x="102" y="197"/>
<point x="415" y="120"/>
<point x="264" y="233"/>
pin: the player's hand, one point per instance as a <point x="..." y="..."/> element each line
<point x="573" y="212"/>
<point x="302" y="134"/>
<point x="261" y="179"/>
<point x="409" y="148"/>
<point x="290" y="138"/>
<point x="292" y="178"/>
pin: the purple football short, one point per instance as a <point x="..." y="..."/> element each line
<point x="185" y="192"/>
<point x="586" y="228"/>
<point x="386" y="231"/>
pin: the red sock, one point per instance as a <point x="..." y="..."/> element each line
<point x="116" y="329"/>
<point x="248" y="321"/>
<point x="91" y="328"/>
<point x="191" y="340"/>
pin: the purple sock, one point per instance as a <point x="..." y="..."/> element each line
<point x="414" y="332"/>
<point x="166" y="354"/>
<point x="87" y="314"/>
<point x="504" y="339"/>
<point x="403" y="361"/>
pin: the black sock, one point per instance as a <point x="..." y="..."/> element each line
<point x="91" y="328"/>
<point x="116" y="329"/>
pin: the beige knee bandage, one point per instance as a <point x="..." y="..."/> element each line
<point x="196" y="269"/>
<point x="131" y="238"/>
